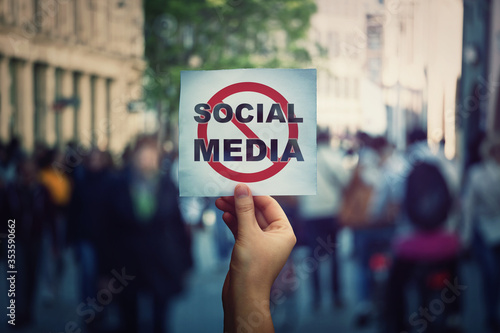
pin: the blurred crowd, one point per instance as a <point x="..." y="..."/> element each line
<point x="123" y="224"/>
<point x="413" y="216"/>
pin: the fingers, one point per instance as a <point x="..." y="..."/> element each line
<point x="244" y="207"/>
<point x="229" y="215"/>
<point x="271" y="210"/>
<point x="226" y="204"/>
<point x="261" y="220"/>
<point x="231" y="223"/>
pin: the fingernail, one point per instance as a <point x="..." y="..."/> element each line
<point x="241" y="191"/>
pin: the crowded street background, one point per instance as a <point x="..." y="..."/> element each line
<point x="111" y="246"/>
<point x="403" y="234"/>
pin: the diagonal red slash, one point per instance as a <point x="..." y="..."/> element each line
<point x="251" y="135"/>
<point x="258" y="88"/>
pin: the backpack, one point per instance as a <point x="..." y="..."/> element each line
<point x="427" y="196"/>
<point x="354" y="210"/>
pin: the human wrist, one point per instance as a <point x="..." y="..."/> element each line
<point x="248" y="312"/>
<point x="250" y="286"/>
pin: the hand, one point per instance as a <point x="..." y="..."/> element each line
<point x="264" y="239"/>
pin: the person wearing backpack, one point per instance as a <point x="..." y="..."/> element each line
<point x="427" y="242"/>
<point x="368" y="211"/>
<point x="318" y="215"/>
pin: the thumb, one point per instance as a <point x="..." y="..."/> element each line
<point x="244" y="206"/>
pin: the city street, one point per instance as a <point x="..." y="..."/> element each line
<point x="199" y="309"/>
<point x="375" y="125"/>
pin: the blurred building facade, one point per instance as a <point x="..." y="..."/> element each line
<point x="69" y="70"/>
<point x="390" y="66"/>
<point x="422" y="65"/>
<point x="347" y="45"/>
<point x="436" y="65"/>
<point x="338" y="53"/>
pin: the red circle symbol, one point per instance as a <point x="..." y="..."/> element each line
<point x="293" y="131"/>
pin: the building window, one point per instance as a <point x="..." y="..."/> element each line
<point x="37" y="15"/>
<point x="14" y="7"/>
<point x="374" y="37"/>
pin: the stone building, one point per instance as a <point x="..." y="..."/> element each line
<point x="70" y="70"/>
<point x="422" y="57"/>
<point x="348" y="64"/>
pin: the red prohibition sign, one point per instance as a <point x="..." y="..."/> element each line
<point x="293" y="131"/>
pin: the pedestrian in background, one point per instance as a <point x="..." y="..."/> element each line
<point x="145" y="236"/>
<point x="85" y="228"/>
<point x="319" y="213"/>
<point x="427" y="245"/>
<point x="28" y="203"/>
<point x="482" y="220"/>
<point x="58" y="184"/>
<point x="368" y="210"/>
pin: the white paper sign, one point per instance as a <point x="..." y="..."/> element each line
<point x="253" y="126"/>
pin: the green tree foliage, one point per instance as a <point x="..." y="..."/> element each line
<point x="219" y="34"/>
